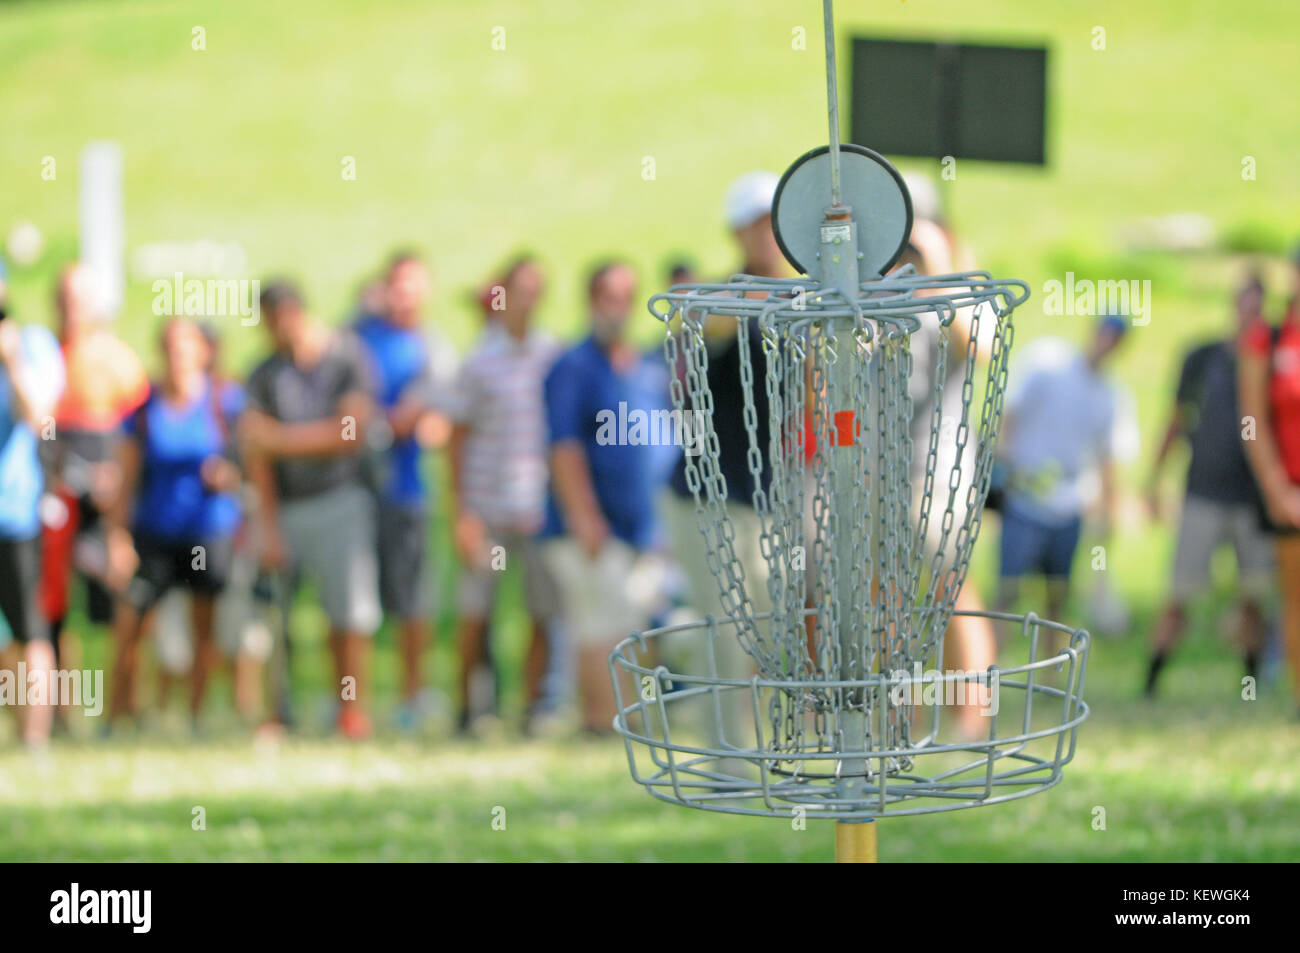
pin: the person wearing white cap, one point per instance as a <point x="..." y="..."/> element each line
<point x="747" y="209"/>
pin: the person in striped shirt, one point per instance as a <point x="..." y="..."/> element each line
<point x="498" y="453"/>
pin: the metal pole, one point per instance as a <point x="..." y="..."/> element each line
<point x="847" y="421"/>
<point x="855" y="843"/>
<point x="832" y="101"/>
<point x="838" y="270"/>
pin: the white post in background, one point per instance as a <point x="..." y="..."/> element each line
<point x="102" y="224"/>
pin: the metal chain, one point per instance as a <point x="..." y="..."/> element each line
<point x="890" y="530"/>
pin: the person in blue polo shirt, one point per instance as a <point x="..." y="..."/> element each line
<point x="412" y="370"/>
<point x="606" y="409"/>
<point x="31" y="381"/>
<point x="178" y="498"/>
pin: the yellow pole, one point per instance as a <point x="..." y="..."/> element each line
<point x="855" y="843"/>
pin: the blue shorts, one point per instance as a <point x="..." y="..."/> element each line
<point x="1030" y="547"/>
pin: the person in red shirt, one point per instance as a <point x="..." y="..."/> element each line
<point x="1269" y="382"/>
<point x="106" y="383"/>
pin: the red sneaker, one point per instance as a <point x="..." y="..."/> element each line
<point x="354" y="723"/>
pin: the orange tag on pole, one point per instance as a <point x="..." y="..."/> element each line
<point x="846" y="428"/>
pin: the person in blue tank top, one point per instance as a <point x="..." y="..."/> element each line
<point x="177" y="513"/>
<point x="412" y="370"/>
<point x="31" y="380"/>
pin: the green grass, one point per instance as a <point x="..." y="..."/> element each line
<point x="1232" y="793"/>
<point x="469" y="153"/>
<point x="1200" y="775"/>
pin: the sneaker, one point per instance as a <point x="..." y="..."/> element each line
<point x="550" y="723"/>
<point x="270" y="732"/>
<point x="353" y="723"/>
<point x="487" y="727"/>
<point x="331" y="712"/>
<point x="408" y="718"/>
<point x="416" y="714"/>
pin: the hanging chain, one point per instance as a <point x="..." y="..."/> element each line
<point x="906" y="521"/>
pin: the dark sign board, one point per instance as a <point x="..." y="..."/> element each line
<point x="965" y="100"/>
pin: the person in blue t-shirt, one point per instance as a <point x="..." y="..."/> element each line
<point x="178" y="498"/>
<point x="412" y="371"/>
<point x="606" y="409"/>
<point x="31" y="381"/>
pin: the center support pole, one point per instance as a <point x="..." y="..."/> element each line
<point x="855" y="842"/>
<point x="832" y="99"/>
<point x="838" y="266"/>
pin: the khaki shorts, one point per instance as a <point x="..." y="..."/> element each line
<point x="606" y="599"/>
<point x="1205" y="526"/>
<point x="478" y="583"/>
<point x="689" y="548"/>
<point x="690" y="651"/>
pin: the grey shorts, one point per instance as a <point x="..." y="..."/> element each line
<point x="478" y="583"/>
<point x="331" y="538"/>
<point x="1205" y="526"/>
<point x="405" y="589"/>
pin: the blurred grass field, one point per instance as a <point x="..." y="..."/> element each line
<point x="1198" y="776"/>
<point x="468" y="153"/>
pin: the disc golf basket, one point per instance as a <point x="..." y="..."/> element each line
<point x="870" y="467"/>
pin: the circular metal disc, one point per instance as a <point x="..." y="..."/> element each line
<point x="869" y="184"/>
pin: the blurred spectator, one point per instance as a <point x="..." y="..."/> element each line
<point x="31" y="380"/>
<point x="106" y="383"/>
<point x="499" y="472"/>
<point x="681" y="271"/>
<point x="242" y="635"/>
<point x="748" y="212"/>
<point x="1221" y="501"/>
<point x="1269" y="372"/>
<point x="1059" y="426"/>
<point x="373" y="298"/>
<point x="413" y="370"/>
<point x="971" y="644"/>
<point x="175" y="519"/>
<point x="927" y="206"/>
<point x="308" y="412"/>
<point x="490" y="298"/>
<point x="600" y="518"/>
